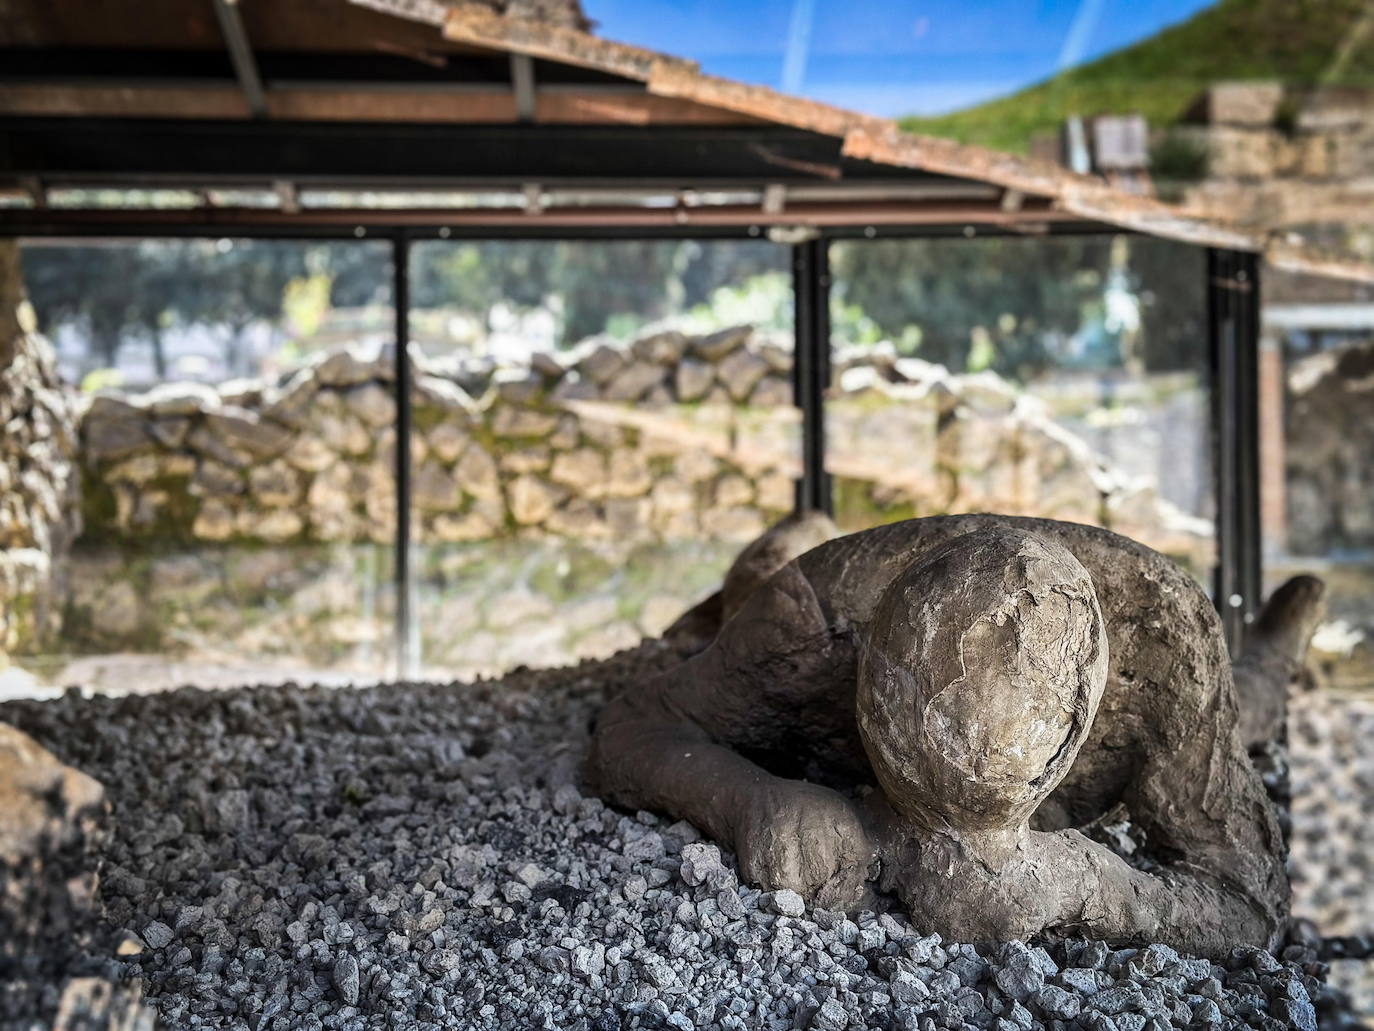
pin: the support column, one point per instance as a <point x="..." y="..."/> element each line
<point x="1233" y="330"/>
<point x="811" y="368"/>
<point x="400" y="295"/>
<point x="1272" y="445"/>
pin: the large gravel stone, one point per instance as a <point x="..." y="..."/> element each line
<point x="41" y="799"/>
<point x="693" y="379"/>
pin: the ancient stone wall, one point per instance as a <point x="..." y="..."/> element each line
<point x="1329" y="505"/>
<point x="1330" y="452"/>
<point x="38" y="512"/>
<point x="1284" y="158"/>
<point x="907" y="438"/>
<point x="670" y="437"/>
<point x="561" y="508"/>
<point x="667" y="437"/>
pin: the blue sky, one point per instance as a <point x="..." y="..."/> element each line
<point x="887" y="57"/>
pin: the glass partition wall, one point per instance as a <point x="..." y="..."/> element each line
<point x="595" y="427"/>
<point x="1063" y="377"/>
<point x="1316" y="373"/>
<point x="599" y="427"/>
<point x="233" y="495"/>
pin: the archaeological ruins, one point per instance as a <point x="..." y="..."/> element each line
<point x="502" y="529"/>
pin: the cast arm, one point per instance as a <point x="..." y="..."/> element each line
<point x="669" y="745"/>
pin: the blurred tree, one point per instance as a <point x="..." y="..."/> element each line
<point x="619" y="284"/>
<point x="938" y="296"/>
<point x="1171" y="281"/>
<point x="1017" y="299"/>
<point x="637" y="279"/>
<point x="138" y="291"/>
<point x="85" y="286"/>
<point x="1012" y="304"/>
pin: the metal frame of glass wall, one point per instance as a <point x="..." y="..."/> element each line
<point x="1233" y="289"/>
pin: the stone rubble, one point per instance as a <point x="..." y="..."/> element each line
<point x="40" y="514"/>
<point x="422" y="856"/>
<point x="663" y="444"/>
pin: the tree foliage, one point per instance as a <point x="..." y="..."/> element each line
<point x="1000" y="303"/>
<point x="1012" y="304"/>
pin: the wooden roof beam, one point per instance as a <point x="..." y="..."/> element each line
<point x="241" y="54"/>
<point x="427" y="12"/>
<point x="555" y="104"/>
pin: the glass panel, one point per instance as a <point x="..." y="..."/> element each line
<point x="1060" y="377"/>
<point x="1317" y="457"/>
<point x="233" y="433"/>
<point x="1317" y="403"/>
<point x="599" y="427"/>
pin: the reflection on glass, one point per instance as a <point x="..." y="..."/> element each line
<point x="599" y="427"/>
<point x="234" y="435"/>
<point x="1055" y="377"/>
<point x="1317" y="457"/>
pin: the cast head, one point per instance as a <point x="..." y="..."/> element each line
<point x="979" y="678"/>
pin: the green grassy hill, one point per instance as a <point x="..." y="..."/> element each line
<point x="1298" y="42"/>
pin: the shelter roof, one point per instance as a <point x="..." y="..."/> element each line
<point x="499" y="112"/>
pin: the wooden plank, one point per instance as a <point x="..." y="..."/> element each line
<point x="603" y="108"/>
<point x="326" y="105"/>
<point x="273" y="25"/>
<point x="562" y="106"/>
<point x="124" y="101"/>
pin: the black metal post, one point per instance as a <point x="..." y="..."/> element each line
<point x="400" y="294"/>
<point x="811" y="368"/>
<point x="1233" y="325"/>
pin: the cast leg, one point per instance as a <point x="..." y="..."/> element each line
<point x="1274" y="656"/>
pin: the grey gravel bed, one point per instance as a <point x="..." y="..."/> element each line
<point x="421" y="856"/>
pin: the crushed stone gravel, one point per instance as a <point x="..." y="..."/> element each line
<point x="422" y="856"/>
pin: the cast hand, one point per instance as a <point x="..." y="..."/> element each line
<point x="808" y="838"/>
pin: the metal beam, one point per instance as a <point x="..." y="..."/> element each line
<point x="811" y="368"/>
<point x="241" y="54"/>
<point x="805" y="219"/>
<point x="418" y="154"/>
<point x="522" y="85"/>
<point x="54" y="226"/>
<point x="1233" y="332"/>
